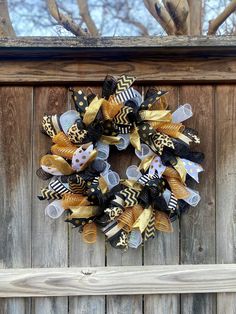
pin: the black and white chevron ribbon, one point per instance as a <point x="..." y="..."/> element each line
<point x="124" y="82"/>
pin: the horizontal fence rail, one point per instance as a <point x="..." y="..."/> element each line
<point x="40" y="282"/>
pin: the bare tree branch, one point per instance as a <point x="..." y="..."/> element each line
<point x="178" y="10"/>
<point x="85" y="14"/>
<point x="65" y="20"/>
<point x="159" y="12"/>
<point x="195" y="16"/>
<point x="6" y="28"/>
<point x="143" y="29"/>
<point x="220" y="19"/>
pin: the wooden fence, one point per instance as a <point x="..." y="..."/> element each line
<point x="46" y="259"/>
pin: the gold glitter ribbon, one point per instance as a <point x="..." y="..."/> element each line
<point x="57" y="162"/>
<point x="180" y="168"/>
<point x="135" y="138"/>
<point x="146" y="162"/>
<point x="143" y="220"/>
<point x="132" y="184"/>
<point x="92" y="110"/>
<point x="110" y="140"/>
<point x="156" y="115"/>
<point x="102" y="184"/>
<point x="83" y="211"/>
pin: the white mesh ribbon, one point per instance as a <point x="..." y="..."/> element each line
<point x="183" y="113"/>
<point x="144" y="152"/>
<point x="54" y="210"/>
<point x="133" y="173"/>
<point x="194" y="198"/>
<point x="124" y="141"/>
<point x="112" y="179"/>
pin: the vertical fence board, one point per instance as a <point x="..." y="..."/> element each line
<point x="120" y="161"/>
<point x="198" y="225"/>
<point x="225" y="186"/>
<point x="15" y="182"/>
<point x="164" y="249"/>
<point x="83" y="254"/>
<point x="49" y="237"/>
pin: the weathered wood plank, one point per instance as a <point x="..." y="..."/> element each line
<point x="49" y="237"/>
<point x="164" y="249"/>
<point x="225" y="186"/>
<point x="85" y="255"/>
<point x="198" y="225"/>
<point x="15" y="181"/>
<point x="120" y="161"/>
<point x="120" y="280"/>
<point x="71" y="71"/>
<point x="61" y="47"/>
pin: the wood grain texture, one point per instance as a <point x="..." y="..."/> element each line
<point x="120" y="161"/>
<point x="119" y="47"/>
<point x="49" y="237"/>
<point x="225" y="186"/>
<point x="164" y="249"/>
<point x="82" y="254"/>
<point x="120" y="280"/>
<point x="15" y="182"/>
<point x="73" y="71"/>
<point x="198" y="225"/>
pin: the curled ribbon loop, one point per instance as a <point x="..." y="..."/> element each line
<point x="55" y="165"/>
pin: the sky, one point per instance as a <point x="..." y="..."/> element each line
<point x="30" y="17"/>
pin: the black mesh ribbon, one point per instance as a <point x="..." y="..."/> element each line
<point x="109" y="86"/>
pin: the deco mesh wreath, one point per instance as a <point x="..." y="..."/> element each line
<point x="82" y="184"/>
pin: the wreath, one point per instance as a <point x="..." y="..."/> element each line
<point x="83" y="185"/>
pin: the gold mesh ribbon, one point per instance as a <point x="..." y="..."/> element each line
<point x="70" y="199"/>
<point x="83" y="211"/>
<point x="66" y="152"/>
<point x="177" y="188"/>
<point x="110" y="109"/>
<point x="171" y="129"/>
<point x="180" y="168"/>
<point x="90" y="233"/>
<point x="62" y="140"/>
<point x="57" y="162"/>
<point x="171" y="172"/>
<point x="162" y="222"/>
<point x="129" y="216"/>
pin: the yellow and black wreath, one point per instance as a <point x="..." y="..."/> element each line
<point x="82" y="184"/>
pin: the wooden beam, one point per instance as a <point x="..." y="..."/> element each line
<point x="93" y="71"/>
<point x="121" y="280"/>
<point x="117" y="47"/>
